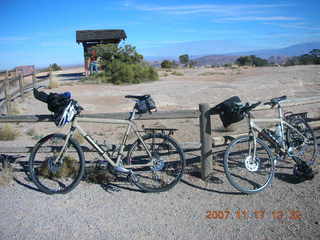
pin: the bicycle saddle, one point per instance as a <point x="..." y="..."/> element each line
<point x="140" y="98"/>
<point x="275" y="101"/>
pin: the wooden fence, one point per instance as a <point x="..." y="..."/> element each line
<point x="13" y="84"/>
<point x="208" y="138"/>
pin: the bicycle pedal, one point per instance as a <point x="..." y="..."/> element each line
<point x="112" y="188"/>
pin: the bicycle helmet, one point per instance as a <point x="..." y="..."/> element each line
<point x="67" y="115"/>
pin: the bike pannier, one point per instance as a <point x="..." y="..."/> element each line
<point x="57" y="102"/>
<point x="229" y="111"/>
<point x="145" y="105"/>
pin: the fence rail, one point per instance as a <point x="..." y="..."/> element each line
<point x="208" y="140"/>
<point x="9" y="88"/>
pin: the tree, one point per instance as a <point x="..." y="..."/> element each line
<point x="123" y="65"/>
<point x="315" y="52"/>
<point x="55" y="67"/>
<point x="251" y="60"/>
<point x="184" y="59"/>
<point x="166" y="64"/>
<point x="312" y="58"/>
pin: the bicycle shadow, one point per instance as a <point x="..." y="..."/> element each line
<point x="26" y="181"/>
<point x="192" y="177"/>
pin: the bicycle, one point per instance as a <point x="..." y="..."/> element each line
<point x="154" y="162"/>
<point x="250" y="161"/>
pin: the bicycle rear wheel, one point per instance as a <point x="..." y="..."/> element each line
<point x="160" y="171"/>
<point x="51" y="177"/>
<point x="245" y="172"/>
<point x="303" y="143"/>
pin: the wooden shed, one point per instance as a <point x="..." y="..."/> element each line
<point x="90" y="38"/>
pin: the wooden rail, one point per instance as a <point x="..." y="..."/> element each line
<point x="9" y="88"/>
<point x="204" y="113"/>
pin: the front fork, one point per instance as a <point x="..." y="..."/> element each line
<point x="64" y="147"/>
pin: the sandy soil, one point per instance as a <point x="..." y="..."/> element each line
<point x="92" y="211"/>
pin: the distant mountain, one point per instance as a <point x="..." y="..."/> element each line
<point x="294" y="50"/>
<point x="279" y="55"/>
<point x="215" y="60"/>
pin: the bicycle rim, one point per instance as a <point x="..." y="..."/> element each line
<point x="160" y="172"/>
<point x="245" y="172"/>
<point x="303" y="148"/>
<point x="51" y="177"/>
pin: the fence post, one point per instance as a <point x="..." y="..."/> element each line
<point x="34" y="79"/>
<point x="50" y="78"/>
<point x="21" y="85"/>
<point x="206" y="141"/>
<point x="6" y="92"/>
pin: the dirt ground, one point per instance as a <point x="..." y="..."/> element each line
<point x="289" y="209"/>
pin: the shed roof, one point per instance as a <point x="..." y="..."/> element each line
<point x="112" y="35"/>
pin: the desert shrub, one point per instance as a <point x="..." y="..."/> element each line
<point x="53" y="84"/>
<point x="122" y="65"/>
<point x="166" y="64"/>
<point x="125" y="73"/>
<point x="68" y="168"/>
<point x="7" y="133"/>
<point x="184" y="59"/>
<point x="313" y="57"/>
<point x="177" y="73"/>
<point x="211" y="73"/>
<point x="251" y="60"/>
<point x="55" y="67"/>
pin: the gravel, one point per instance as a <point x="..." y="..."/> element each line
<point x="94" y="211"/>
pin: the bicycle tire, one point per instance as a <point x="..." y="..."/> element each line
<point x="251" y="177"/>
<point x="298" y="144"/>
<point x="163" y="171"/>
<point x="50" y="179"/>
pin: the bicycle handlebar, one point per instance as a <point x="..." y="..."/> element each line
<point x="43" y="97"/>
<point x="247" y="108"/>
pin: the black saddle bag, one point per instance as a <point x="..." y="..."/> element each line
<point x="229" y="111"/>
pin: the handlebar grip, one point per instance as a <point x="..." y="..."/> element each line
<point x="248" y="108"/>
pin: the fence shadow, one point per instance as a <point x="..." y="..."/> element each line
<point x="192" y="178"/>
<point x="70" y="76"/>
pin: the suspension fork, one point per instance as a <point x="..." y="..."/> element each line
<point x="252" y="132"/>
<point x="65" y="145"/>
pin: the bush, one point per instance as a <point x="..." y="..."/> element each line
<point x="313" y="57"/>
<point x="166" y="64"/>
<point x="122" y="65"/>
<point x="7" y="133"/>
<point x="177" y="73"/>
<point x="251" y="61"/>
<point x="184" y="59"/>
<point x="55" y="67"/>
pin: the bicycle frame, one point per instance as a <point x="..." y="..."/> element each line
<point x="253" y="126"/>
<point x="130" y="126"/>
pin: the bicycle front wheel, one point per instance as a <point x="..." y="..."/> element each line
<point x="249" y="166"/>
<point x="157" y="162"/>
<point x="52" y="176"/>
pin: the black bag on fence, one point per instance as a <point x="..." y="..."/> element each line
<point x="145" y="105"/>
<point x="229" y="111"/>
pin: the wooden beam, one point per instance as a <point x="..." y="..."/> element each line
<point x="6" y="93"/>
<point x="206" y="141"/>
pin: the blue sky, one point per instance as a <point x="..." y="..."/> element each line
<point x="43" y="32"/>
